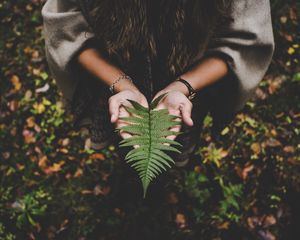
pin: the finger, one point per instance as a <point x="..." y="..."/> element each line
<point x="186" y="112"/>
<point x="123" y="113"/>
<point x="177" y="127"/>
<point x="114" y="106"/>
<point x="144" y="103"/>
<point x="160" y="106"/>
<point x="125" y="135"/>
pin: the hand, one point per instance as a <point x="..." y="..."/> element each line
<point x="177" y="103"/>
<point x="117" y="110"/>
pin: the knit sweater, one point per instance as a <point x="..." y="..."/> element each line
<point x="246" y="43"/>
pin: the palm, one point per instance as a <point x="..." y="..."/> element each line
<point x="173" y="102"/>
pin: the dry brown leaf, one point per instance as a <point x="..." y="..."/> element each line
<point x="15" y="80"/>
<point x="256" y="148"/>
<point x="224" y="226"/>
<point x="43" y="162"/>
<point x="6" y="155"/>
<point x="63" y="150"/>
<point x="30" y="121"/>
<point x="65" y="142"/>
<point x="28" y="136"/>
<point x="272" y="142"/>
<point x="269" y="221"/>
<point x="180" y="220"/>
<point x="101" y="190"/>
<point x="78" y="173"/>
<point x="13" y="105"/>
<point x="86" y="191"/>
<point x="13" y="131"/>
<point x="289" y="149"/>
<point x="97" y="156"/>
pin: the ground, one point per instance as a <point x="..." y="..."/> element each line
<point x="242" y="185"/>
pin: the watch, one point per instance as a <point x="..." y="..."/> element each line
<point x="192" y="92"/>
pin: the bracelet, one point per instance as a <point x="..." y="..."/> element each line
<point x="192" y="91"/>
<point x="123" y="76"/>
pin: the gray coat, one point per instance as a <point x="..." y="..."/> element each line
<point x="248" y="42"/>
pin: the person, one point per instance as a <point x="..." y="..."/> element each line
<point x="102" y="53"/>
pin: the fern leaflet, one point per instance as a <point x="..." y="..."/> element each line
<point x="149" y="128"/>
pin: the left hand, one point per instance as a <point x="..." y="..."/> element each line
<point x="177" y="103"/>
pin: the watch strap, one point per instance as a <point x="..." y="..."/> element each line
<point x="192" y="91"/>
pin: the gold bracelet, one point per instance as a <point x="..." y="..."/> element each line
<point x="123" y="76"/>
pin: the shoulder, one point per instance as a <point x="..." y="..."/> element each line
<point x="59" y="7"/>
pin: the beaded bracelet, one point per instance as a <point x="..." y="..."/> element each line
<point x="123" y="76"/>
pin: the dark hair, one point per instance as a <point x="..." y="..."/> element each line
<point x="181" y="26"/>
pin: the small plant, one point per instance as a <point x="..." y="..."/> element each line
<point x="149" y="128"/>
<point x="30" y="206"/>
<point x="4" y="235"/>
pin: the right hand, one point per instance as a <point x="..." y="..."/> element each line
<point x="117" y="110"/>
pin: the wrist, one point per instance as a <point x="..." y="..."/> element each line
<point x="177" y="86"/>
<point x="125" y="84"/>
<point x="122" y="82"/>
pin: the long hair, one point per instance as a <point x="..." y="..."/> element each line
<point x="173" y="29"/>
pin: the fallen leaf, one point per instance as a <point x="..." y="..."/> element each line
<point x="197" y="169"/>
<point x="28" y="95"/>
<point x="63" y="150"/>
<point x="224" y="226"/>
<point x="253" y="222"/>
<point x="13" y="105"/>
<point x="272" y="142"/>
<point x="101" y="190"/>
<point x="180" y="220"/>
<point x="15" y="80"/>
<point x="39" y="107"/>
<point x="269" y="221"/>
<point x="266" y="235"/>
<point x="260" y="94"/>
<point x="13" y="131"/>
<point x="255" y="147"/>
<point x="30" y="122"/>
<point x="43" y="162"/>
<point x="78" y="173"/>
<point x="6" y="155"/>
<point x="45" y="88"/>
<point x="56" y="167"/>
<point x="65" y="142"/>
<point x="97" y="156"/>
<point x="28" y="136"/>
<point x="289" y="149"/>
<point x="86" y="192"/>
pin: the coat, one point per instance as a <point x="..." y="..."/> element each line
<point x="246" y="44"/>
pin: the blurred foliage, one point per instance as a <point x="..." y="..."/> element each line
<point x="244" y="184"/>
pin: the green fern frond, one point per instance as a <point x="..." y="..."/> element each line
<point x="149" y="128"/>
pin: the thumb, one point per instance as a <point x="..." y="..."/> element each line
<point x="186" y="112"/>
<point x="114" y="110"/>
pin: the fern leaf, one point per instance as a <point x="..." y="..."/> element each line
<point x="149" y="128"/>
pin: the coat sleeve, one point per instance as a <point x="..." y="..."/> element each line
<point x="66" y="32"/>
<point x="247" y="45"/>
